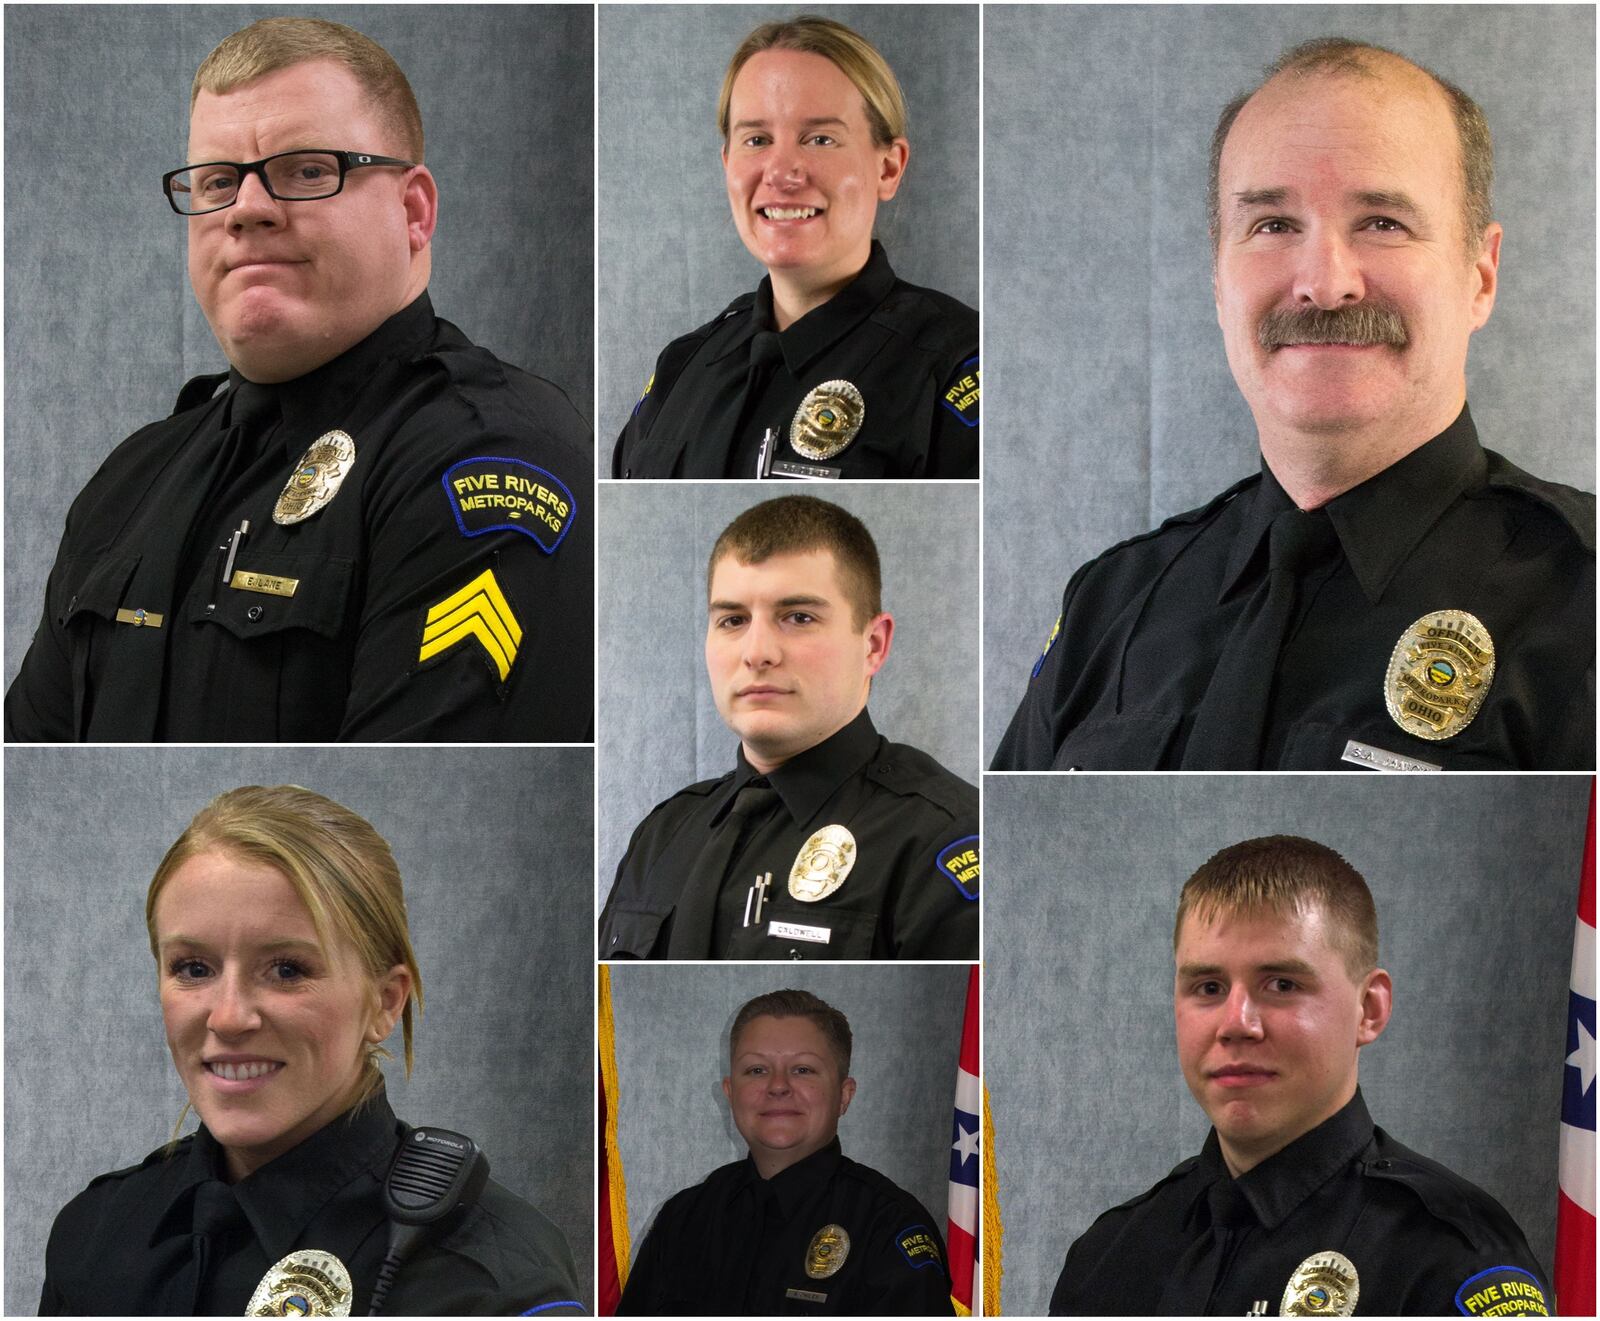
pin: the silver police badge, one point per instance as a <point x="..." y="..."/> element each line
<point x="1439" y="674"/>
<point x="1324" y="1284"/>
<point x="826" y="1252"/>
<point x="305" y="1283"/>
<point x="822" y="864"/>
<point x="316" y="478"/>
<point x="827" y="420"/>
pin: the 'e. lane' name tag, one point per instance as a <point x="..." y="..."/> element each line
<point x="793" y="931"/>
<point x="263" y="582"/>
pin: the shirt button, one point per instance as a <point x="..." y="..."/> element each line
<point x="627" y="472"/>
<point x="1382" y="1164"/>
<point x="795" y="955"/>
<point x="253" y="613"/>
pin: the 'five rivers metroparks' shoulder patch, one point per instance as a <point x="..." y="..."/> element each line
<point x="495" y="495"/>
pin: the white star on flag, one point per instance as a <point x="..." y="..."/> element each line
<point x="966" y="1144"/>
<point x="1582" y="1059"/>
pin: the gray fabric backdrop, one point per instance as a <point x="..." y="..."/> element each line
<point x="658" y="727"/>
<point x="101" y="328"/>
<point x="670" y="259"/>
<point x="673" y="1125"/>
<point x="1110" y="403"/>
<point x="1475" y="880"/>
<point x="488" y="843"/>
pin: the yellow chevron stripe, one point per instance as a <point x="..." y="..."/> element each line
<point x="479" y="610"/>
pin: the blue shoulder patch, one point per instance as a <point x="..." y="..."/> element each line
<point x="1055" y="632"/>
<point x="958" y="863"/>
<point x="961" y="394"/>
<point x="509" y="495"/>
<point x="1501" y="1291"/>
<point x="920" y="1247"/>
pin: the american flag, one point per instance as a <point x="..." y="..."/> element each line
<point x="963" y="1224"/>
<point x="1575" y="1219"/>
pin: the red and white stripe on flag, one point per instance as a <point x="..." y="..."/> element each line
<point x="962" y="1233"/>
<point x="1575" y="1213"/>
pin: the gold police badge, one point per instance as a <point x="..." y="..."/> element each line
<point x="1324" y="1284"/>
<point x="305" y="1283"/>
<point x="827" y="420"/>
<point x="829" y="1246"/>
<point x="822" y="864"/>
<point x="1439" y="674"/>
<point x="316" y="478"/>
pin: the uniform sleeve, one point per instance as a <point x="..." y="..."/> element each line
<point x="1030" y="739"/>
<point x="477" y="614"/>
<point x="669" y="366"/>
<point x="954" y="452"/>
<point x="640" y="1294"/>
<point x="39" y="706"/>
<point x="909" y="1274"/>
<point x="936" y="911"/>
<point x="1483" y="1280"/>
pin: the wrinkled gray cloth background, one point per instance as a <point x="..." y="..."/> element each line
<point x="673" y="1125"/>
<point x="670" y="258"/>
<point x="1475" y="880"/>
<point x="658" y="727"/>
<point x="101" y="327"/>
<point x="1110" y="406"/>
<point x="493" y="847"/>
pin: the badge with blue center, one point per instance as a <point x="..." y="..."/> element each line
<point x="1439" y="674"/>
<point x="1324" y="1284"/>
<point x="826" y="1252"/>
<point x="316" y="478"/>
<point x="305" y="1283"/>
<point x="827" y="420"/>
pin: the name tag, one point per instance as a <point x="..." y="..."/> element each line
<point x="248" y="581"/>
<point x="794" y="931"/>
<point x="1364" y="754"/>
<point x="805" y="1295"/>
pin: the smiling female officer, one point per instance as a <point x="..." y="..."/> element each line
<point x="833" y="367"/>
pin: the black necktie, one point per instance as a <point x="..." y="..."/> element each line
<point x="1202" y="1269"/>
<point x="766" y="353"/>
<point x="217" y="1214"/>
<point x="1232" y="718"/>
<point x="692" y="920"/>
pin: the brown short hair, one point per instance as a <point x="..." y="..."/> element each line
<point x="856" y="57"/>
<point x="833" y="1025"/>
<point x="1287" y="874"/>
<point x="1341" y="55"/>
<point x="797" y="525"/>
<point x="341" y="868"/>
<point x="271" y="44"/>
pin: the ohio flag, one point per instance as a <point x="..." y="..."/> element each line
<point x="963" y="1225"/>
<point x="1575" y="1220"/>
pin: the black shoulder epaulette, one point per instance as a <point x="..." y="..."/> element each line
<point x="1178" y="1171"/>
<point x="907" y="770"/>
<point x="1445" y="1194"/>
<point x="197" y="391"/>
<point x="159" y="1156"/>
<point x="1573" y="507"/>
<point x="699" y="789"/>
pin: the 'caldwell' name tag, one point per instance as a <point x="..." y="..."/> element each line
<point x="1376" y="759"/>
<point x="794" y="931"/>
<point x="805" y="1295"/>
<point x="249" y="581"/>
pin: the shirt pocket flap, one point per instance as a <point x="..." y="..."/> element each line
<point x="95" y="585"/>
<point x="1130" y="742"/>
<point x="275" y="592"/>
<point x="631" y="933"/>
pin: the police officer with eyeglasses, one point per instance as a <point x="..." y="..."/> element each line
<point x="369" y="528"/>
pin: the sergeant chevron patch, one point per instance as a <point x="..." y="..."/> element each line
<point x="479" y="610"/>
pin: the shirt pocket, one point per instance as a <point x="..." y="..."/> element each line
<point x="807" y="933"/>
<point x="1133" y="741"/>
<point x="94" y="586"/>
<point x="292" y="590"/>
<point x="631" y="933"/>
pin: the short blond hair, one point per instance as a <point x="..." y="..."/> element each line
<point x="856" y="57"/>
<point x="342" y="869"/>
<point x="271" y="44"/>
<point x="1284" y="874"/>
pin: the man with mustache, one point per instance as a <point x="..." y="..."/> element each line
<point x="369" y="528"/>
<point x="826" y="841"/>
<point x="1297" y="1205"/>
<point x="1385" y="592"/>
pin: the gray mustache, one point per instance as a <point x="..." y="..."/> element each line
<point x="1365" y="323"/>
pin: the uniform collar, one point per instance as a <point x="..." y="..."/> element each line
<point x="822" y="327"/>
<point x="806" y="781"/>
<point x="285" y="1195"/>
<point x="793" y="1187"/>
<point x="1380" y="522"/>
<point x="1274" y="1189"/>
<point x="309" y="402"/>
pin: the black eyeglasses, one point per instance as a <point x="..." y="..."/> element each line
<point x="290" y="176"/>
